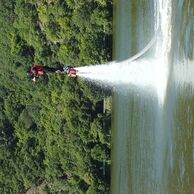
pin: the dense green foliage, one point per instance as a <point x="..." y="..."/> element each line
<point x="53" y="134"/>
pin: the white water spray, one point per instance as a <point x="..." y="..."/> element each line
<point x="140" y="72"/>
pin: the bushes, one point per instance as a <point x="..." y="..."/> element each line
<point x="52" y="132"/>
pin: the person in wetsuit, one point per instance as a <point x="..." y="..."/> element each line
<point x="37" y="71"/>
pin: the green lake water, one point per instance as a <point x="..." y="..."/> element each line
<point x="152" y="144"/>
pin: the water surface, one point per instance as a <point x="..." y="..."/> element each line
<point x="153" y="145"/>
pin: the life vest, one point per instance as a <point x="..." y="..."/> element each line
<point x="37" y="69"/>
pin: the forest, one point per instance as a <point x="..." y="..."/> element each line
<point x="54" y="134"/>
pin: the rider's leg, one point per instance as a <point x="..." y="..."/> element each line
<point x="49" y="69"/>
<point x="66" y="69"/>
<point x="52" y="69"/>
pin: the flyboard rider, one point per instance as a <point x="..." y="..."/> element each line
<point x="37" y="71"/>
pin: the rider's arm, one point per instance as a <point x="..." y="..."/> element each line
<point x="34" y="79"/>
<point x="34" y="72"/>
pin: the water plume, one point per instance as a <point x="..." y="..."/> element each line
<point x="146" y="73"/>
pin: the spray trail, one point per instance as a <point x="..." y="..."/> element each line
<point x="140" y="73"/>
<point x="143" y="73"/>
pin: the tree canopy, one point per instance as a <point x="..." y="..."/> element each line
<point x="53" y="134"/>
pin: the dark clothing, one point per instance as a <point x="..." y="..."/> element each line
<point x="38" y="70"/>
<point x="53" y="70"/>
